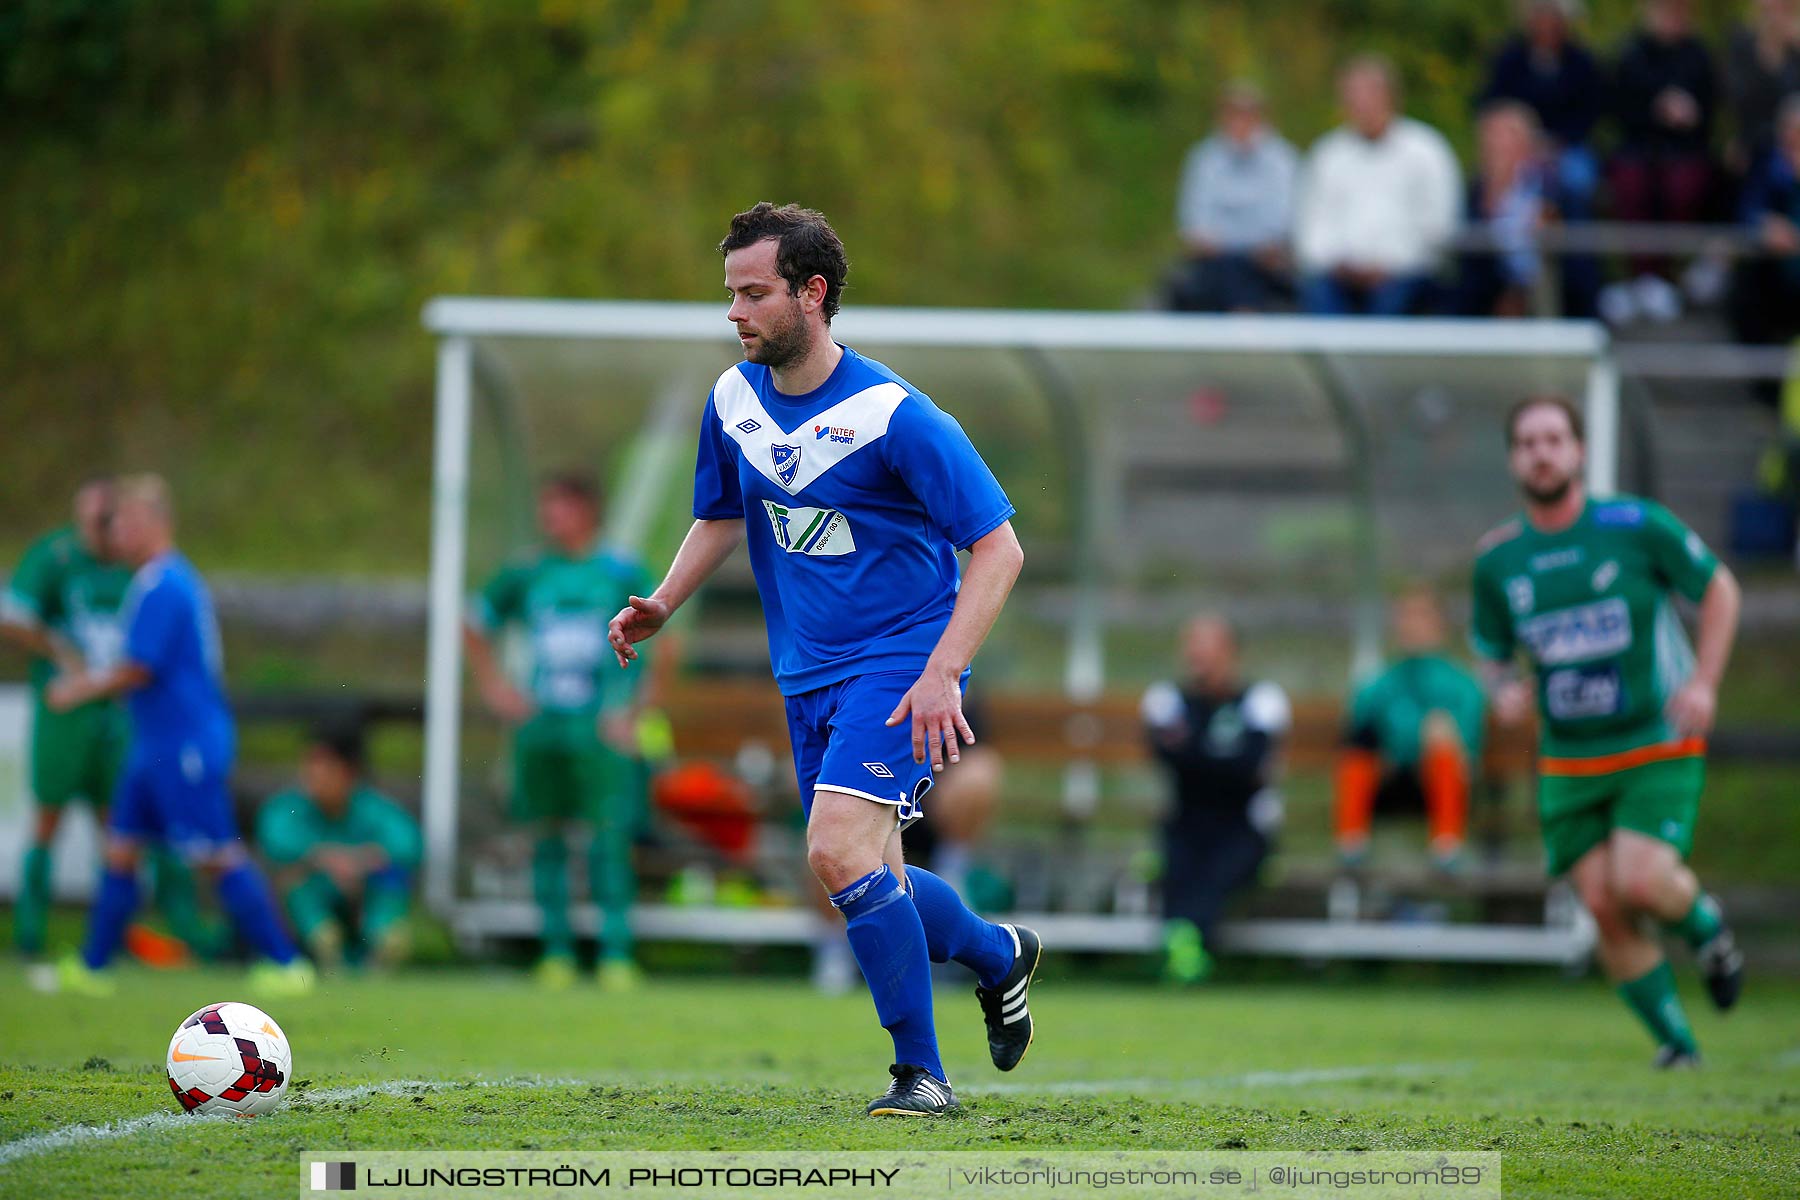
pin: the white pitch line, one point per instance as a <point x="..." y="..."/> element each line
<point x="1083" y="1087"/>
<point x="75" y="1135"/>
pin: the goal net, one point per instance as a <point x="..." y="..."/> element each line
<point x="1287" y="470"/>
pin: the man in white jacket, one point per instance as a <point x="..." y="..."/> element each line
<point x="1380" y="198"/>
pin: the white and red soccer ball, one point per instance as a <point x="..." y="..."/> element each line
<point x="230" y="1059"/>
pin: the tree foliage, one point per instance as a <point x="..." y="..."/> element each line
<point x="219" y="218"/>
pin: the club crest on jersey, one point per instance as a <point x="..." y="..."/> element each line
<point x="787" y="464"/>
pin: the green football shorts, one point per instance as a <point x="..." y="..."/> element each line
<point x="562" y="771"/>
<point x="77" y="755"/>
<point x="1658" y="799"/>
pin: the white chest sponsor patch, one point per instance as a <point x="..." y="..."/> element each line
<point x="1587" y="631"/>
<point x="816" y="531"/>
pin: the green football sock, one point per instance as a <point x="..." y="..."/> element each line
<point x="1702" y="923"/>
<point x="613" y="885"/>
<point x="178" y="896"/>
<point x="1652" y="997"/>
<point x="31" y="912"/>
<point x="550" y="885"/>
<point x="312" y="904"/>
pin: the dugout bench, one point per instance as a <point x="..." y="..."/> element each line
<point x="1314" y="913"/>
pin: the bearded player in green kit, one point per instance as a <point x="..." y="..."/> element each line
<point x="1583" y="586"/>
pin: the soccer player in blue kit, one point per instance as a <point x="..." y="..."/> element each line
<point x="855" y="491"/>
<point x="173" y="788"/>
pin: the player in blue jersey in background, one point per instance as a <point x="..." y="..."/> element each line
<point x="855" y="492"/>
<point x="174" y="786"/>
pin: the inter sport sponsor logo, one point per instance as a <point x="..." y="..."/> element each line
<point x="1571" y="635"/>
<point x="822" y="532"/>
<point x="836" y="433"/>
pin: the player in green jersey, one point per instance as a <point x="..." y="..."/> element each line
<point x="574" y="752"/>
<point x="61" y="606"/>
<point x="1413" y="736"/>
<point x="343" y="855"/>
<point x="1583" y="587"/>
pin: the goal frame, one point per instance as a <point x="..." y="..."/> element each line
<point x="1324" y="344"/>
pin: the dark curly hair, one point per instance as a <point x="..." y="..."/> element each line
<point x="807" y="246"/>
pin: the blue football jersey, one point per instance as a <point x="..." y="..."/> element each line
<point x="855" y="498"/>
<point x="171" y="630"/>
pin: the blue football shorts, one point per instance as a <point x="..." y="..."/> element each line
<point x="176" y="797"/>
<point x="842" y="743"/>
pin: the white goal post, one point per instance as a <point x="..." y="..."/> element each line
<point x="1339" y="356"/>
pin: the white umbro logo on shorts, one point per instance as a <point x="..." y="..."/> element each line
<point x="750" y="426"/>
<point x="879" y="770"/>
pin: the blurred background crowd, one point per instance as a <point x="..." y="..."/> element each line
<point x="1378" y="216"/>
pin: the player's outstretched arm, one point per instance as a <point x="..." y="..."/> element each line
<point x="935" y="701"/>
<point x="72" y="691"/>
<point x="1692" y="708"/>
<point x="707" y="545"/>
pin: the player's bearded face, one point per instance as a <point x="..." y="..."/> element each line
<point x="1546" y="456"/>
<point x="782" y="338"/>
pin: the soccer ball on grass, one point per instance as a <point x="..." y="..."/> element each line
<point x="230" y="1059"/>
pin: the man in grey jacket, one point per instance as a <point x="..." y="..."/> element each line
<point x="1235" y="211"/>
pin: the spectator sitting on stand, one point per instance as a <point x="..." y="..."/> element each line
<point x="1765" y="301"/>
<point x="1508" y="200"/>
<point x="1663" y="98"/>
<point x="1379" y="198"/>
<point x="1235" y="210"/>
<point x="1762" y="67"/>
<point x="1545" y="67"/>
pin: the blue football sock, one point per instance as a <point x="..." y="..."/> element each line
<point x="245" y="894"/>
<point x="112" y="910"/>
<point x="954" y="933"/>
<point x="889" y="943"/>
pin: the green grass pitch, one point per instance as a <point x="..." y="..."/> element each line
<point x="1550" y="1073"/>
